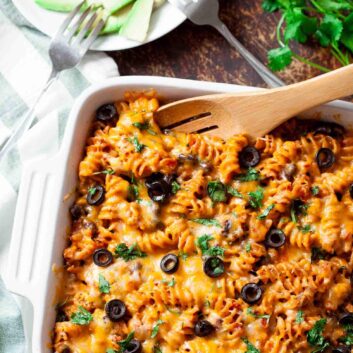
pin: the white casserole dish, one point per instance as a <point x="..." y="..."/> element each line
<point x="42" y="217"/>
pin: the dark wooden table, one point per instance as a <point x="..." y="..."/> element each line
<point x="200" y="53"/>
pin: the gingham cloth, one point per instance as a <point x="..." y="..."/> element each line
<point x="24" y="68"/>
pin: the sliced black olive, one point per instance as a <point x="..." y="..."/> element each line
<point x="251" y="293"/>
<point x="102" y="257"/>
<point x="213" y="267"/>
<point x="115" y="309"/>
<point x="203" y="328"/>
<point x="95" y="195"/>
<point x="66" y="350"/>
<point x="159" y="186"/>
<point x="341" y="349"/>
<point x="275" y="238"/>
<point x="226" y="227"/>
<point x="325" y="158"/>
<point x="106" y="112"/>
<point x="60" y="315"/>
<point x="249" y="157"/>
<point x="346" y="319"/>
<point x="169" y="263"/>
<point x="76" y="212"/>
<point x="330" y="129"/>
<point x="351" y="191"/>
<point x="134" y="346"/>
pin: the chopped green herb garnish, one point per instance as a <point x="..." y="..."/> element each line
<point x="175" y="187"/>
<point x="247" y="247"/>
<point x="305" y="229"/>
<point x="250" y="347"/>
<point x="130" y="253"/>
<point x="256" y="198"/>
<point x="138" y="146"/>
<point x="207" y="222"/>
<point x="315" y="190"/>
<point x="315" y="337"/>
<point x="207" y="303"/>
<point x="142" y="126"/>
<point x="317" y="254"/>
<point x="202" y="243"/>
<point x="279" y="58"/>
<point x="234" y="192"/>
<point x="170" y="283"/>
<point x="133" y="192"/>
<point x="251" y="175"/>
<point x="156" y="328"/>
<point x="217" y="191"/>
<point x="124" y="344"/>
<point x="81" y="317"/>
<point x="111" y="350"/>
<point x="183" y="255"/>
<point x="103" y="284"/>
<point x="106" y="171"/>
<point x="300" y="317"/>
<point x="92" y="190"/>
<point x="250" y="312"/>
<point x="298" y="207"/>
<point x="266" y="212"/>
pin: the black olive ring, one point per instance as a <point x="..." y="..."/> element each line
<point x="159" y="186"/>
<point x="106" y="112"/>
<point x="116" y="310"/>
<point x="102" y="257"/>
<point x="203" y="328"/>
<point x="134" y="346"/>
<point x="170" y="263"/>
<point x="251" y="293"/>
<point x="275" y="238"/>
<point x="346" y="318"/>
<point x="249" y="157"/>
<point x="213" y="267"/>
<point x="96" y="196"/>
<point x="325" y="158"/>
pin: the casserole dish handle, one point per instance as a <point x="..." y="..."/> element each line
<point x="33" y="225"/>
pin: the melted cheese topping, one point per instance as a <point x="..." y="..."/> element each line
<point x="303" y="281"/>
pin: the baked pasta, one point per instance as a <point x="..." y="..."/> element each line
<point x="189" y="243"/>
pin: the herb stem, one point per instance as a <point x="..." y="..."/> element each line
<point x="312" y="64"/>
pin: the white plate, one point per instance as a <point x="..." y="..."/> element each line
<point x="165" y="19"/>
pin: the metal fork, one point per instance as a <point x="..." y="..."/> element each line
<point x="67" y="48"/>
<point x="205" y="12"/>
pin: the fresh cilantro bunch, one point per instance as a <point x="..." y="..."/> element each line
<point x="328" y="22"/>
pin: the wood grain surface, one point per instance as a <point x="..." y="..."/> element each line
<point x="199" y="52"/>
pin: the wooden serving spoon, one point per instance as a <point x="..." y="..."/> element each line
<point x="254" y="113"/>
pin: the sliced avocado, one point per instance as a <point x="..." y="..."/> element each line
<point x="58" y="5"/>
<point x="137" y="23"/>
<point x="112" y="6"/>
<point x="116" y="21"/>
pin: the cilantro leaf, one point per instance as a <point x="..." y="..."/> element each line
<point x="170" y="283"/>
<point x="175" y="187"/>
<point x="124" y="344"/>
<point x="329" y="31"/>
<point x="156" y="328"/>
<point x="279" y="58"/>
<point x="315" y="190"/>
<point x="248" y="247"/>
<point x="81" y="317"/>
<point x="317" y="254"/>
<point x="183" y="255"/>
<point x="207" y="222"/>
<point x="202" y="243"/>
<point x="315" y="337"/>
<point x="105" y="171"/>
<point x="130" y="253"/>
<point x="347" y="339"/>
<point x="138" y="146"/>
<point x="250" y="348"/>
<point x="92" y="190"/>
<point x="270" y="5"/>
<point x="250" y="312"/>
<point x="347" y="34"/>
<point x="333" y="5"/>
<point x="305" y="229"/>
<point x="300" y="317"/>
<point x="142" y="126"/>
<point x="217" y="191"/>
<point x="103" y="284"/>
<point x="133" y="192"/>
<point x="157" y="349"/>
<point x="111" y="350"/>
<point x="251" y="175"/>
<point x="234" y="192"/>
<point x="266" y="212"/>
<point x="256" y="198"/>
<point x="299" y="26"/>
